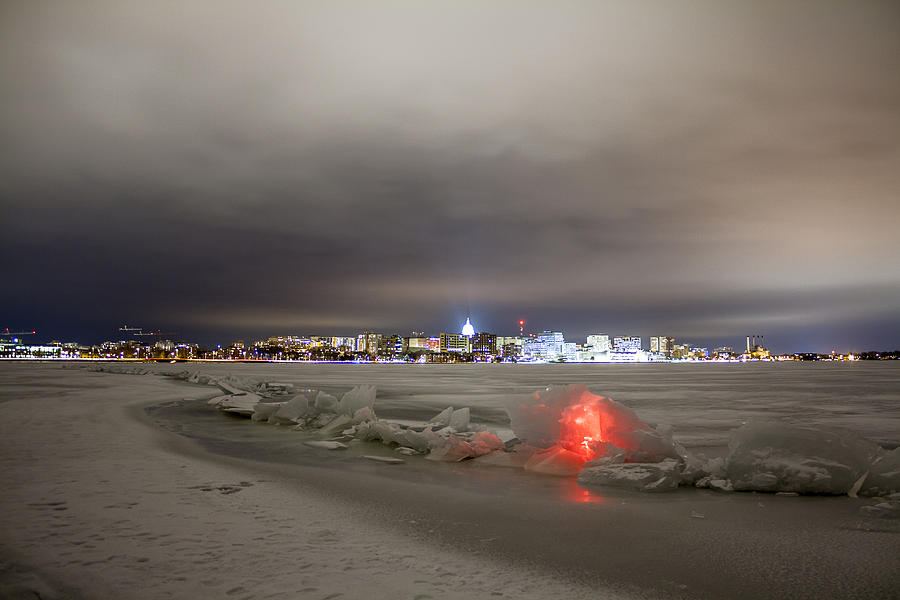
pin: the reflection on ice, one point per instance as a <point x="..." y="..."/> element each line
<point x="576" y="494"/>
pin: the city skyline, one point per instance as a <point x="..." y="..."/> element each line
<point x="369" y="340"/>
<point x="700" y="170"/>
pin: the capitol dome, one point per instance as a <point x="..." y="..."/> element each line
<point x="468" y="329"/>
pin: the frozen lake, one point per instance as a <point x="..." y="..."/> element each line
<point x="71" y="436"/>
<point x="702" y="401"/>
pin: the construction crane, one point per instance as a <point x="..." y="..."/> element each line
<point x="12" y="334"/>
<point x="126" y="329"/>
<point x="157" y="333"/>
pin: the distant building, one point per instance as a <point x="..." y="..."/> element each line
<point x="699" y="353"/>
<point x="390" y="345"/>
<point x="756" y="347"/>
<point x="598" y="343"/>
<point x="368" y="342"/>
<point x="344" y="344"/>
<point x="420" y="343"/>
<point x="455" y="342"/>
<point x="548" y="346"/>
<point x="484" y="344"/>
<point x="662" y="345"/>
<point x="510" y="346"/>
<point x="626" y="344"/>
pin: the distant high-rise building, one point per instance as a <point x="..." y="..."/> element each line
<point x="626" y="344"/>
<point x="368" y="342"/>
<point x="548" y="345"/>
<point x="662" y="345"/>
<point x="510" y="346"/>
<point x="455" y="342"/>
<point x="484" y="344"/>
<point x="344" y="344"/>
<point x="598" y="342"/>
<point x="390" y="345"/>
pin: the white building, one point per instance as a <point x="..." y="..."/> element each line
<point x="510" y="346"/>
<point x="548" y="346"/>
<point x="599" y="342"/>
<point x="626" y="344"/>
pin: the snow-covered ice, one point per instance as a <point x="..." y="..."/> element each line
<point x="86" y="447"/>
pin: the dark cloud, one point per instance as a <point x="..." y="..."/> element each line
<point x="224" y="169"/>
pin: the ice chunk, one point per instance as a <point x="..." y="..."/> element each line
<point x="292" y="410"/>
<point x="884" y="476"/>
<point x="450" y="449"/>
<point x="697" y="468"/>
<point x="364" y="414"/>
<point x="459" y="420"/>
<point x="889" y="509"/>
<point x="485" y="442"/>
<point x="720" y="485"/>
<point x="336" y="425"/>
<point x="610" y="455"/>
<point x="386" y="432"/>
<point x="443" y="417"/>
<point x="313" y="421"/>
<point x="643" y="477"/>
<point x="535" y="419"/>
<point x="362" y="396"/>
<point x="241" y="404"/>
<point x="279" y="388"/>
<point x="421" y="441"/>
<point x="555" y="461"/>
<point x="326" y="444"/>
<point x="773" y="457"/>
<point x="366" y="431"/>
<point x="326" y="403"/>
<point x="264" y="410"/>
<point x="228" y="387"/>
<point x="581" y="422"/>
<point x="215" y="401"/>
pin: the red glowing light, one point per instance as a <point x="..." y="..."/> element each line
<point x="581" y="429"/>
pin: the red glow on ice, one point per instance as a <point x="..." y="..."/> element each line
<point x="574" y="493"/>
<point x="581" y="428"/>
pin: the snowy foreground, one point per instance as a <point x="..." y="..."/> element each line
<point x="532" y="495"/>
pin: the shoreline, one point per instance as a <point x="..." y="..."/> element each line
<point x="111" y="506"/>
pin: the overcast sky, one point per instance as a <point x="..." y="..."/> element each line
<point x="226" y="170"/>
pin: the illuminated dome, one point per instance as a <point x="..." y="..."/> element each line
<point x="468" y="330"/>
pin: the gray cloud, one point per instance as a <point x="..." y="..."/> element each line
<point x="697" y="169"/>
